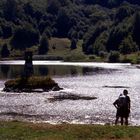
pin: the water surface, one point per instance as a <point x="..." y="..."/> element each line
<point x="102" y="80"/>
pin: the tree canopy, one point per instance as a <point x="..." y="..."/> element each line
<point x="103" y="25"/>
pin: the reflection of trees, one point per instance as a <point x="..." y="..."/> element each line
<point x="43" y="70"/>
<point x="16" y="71"/>
<point x="10" y="71"/>
<point x="13" y="71"/>
<point x="63" y="70"/>
<point x="73" y="71"/>
<point x="85" y="70"/>
<point x="88" y="70"/>
<point x="4" y="70"/>
<point x="54" y="72"/>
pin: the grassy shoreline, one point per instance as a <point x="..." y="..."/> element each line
<point x="41" y="131"/>
<point x="63" y="52"/>
<point x="131" y="58"/>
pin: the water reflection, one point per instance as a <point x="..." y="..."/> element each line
<point x="89" y="70"/>
<point x="43" y="70"/>
<point x="4" y="69"/>
<point x="74" y="71"/>
<point x="13" y="71"/>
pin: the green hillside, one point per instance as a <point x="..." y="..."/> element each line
<point x="82" y="30"/>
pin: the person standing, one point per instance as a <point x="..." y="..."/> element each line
<point x="119" y="106"/>
<point x="123" y="107"/>
<point x="127" y="105"/>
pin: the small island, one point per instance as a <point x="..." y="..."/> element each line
<point x="31" y="84"/>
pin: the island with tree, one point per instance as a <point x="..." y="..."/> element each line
<point x="27" y="82"/>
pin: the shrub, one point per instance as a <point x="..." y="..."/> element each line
<point x="114" y="56"/>
<point x="92" y="57"/>
<point x="102" y="54"/>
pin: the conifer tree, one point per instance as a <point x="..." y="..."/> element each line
<point x="4" y="51"/>
<point x="44" y="45"/>
<point x="73" y="44"/>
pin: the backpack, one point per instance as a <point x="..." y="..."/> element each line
<point x="121" y="102"/>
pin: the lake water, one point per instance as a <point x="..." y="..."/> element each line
<point x="102" y="80"/>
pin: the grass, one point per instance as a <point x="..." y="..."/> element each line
<point x="62" y="49"/>
<point x="133" y="58"/>
<point x="59" y="49"/>
<point x="30" y="131"/>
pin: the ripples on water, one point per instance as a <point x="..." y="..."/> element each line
<point x="90" y="79"/>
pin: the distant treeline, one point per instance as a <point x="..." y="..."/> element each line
<point x="103" y="25"/>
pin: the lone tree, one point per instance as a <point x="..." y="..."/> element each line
<point x="25" y="37"/>
<point x="44" y="45"/>
<point x="28" y="67"/>
<point x="4" y="51"/>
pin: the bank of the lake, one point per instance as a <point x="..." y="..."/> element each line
<point x="42" y="131"/>
<point x="133" y="58"/>
<point x="62" y="52"/>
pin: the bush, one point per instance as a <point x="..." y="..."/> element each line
<point x="92" y="57"/>
<point x="114" y="57"/>
<point x="138" y="60"/>
<point x="102" y="54"/>
<point x="126" y="60"/>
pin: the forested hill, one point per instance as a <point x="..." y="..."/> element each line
<point x="106" y="3"/>
<point x="102" y="26"/>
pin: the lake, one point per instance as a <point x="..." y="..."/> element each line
<point x="102" y="80"/>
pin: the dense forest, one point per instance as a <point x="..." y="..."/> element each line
<point x="104" y="26"/>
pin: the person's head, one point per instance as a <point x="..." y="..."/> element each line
<point x="125" y="92"/>
<point x="121" y="96"/>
